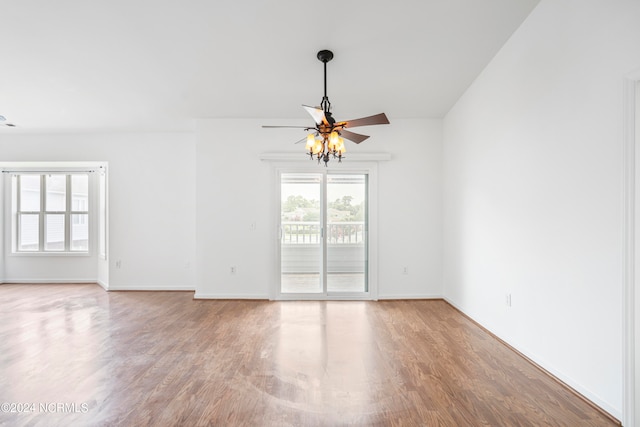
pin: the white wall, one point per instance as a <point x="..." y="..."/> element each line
<point x="533" y="192"/>
<point x="151" y="209"/>
<point x="410" y="209"/>
<point x="235" y="189"/>
<point x="153" y="184"/>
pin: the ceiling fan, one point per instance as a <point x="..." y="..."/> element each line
<point x="326" y="137"/>
<point x="3" y="119"/>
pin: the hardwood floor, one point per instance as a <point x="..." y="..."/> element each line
<point x="76" y="355"/>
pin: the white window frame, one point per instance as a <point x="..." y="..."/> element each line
<point x="68" y="213"/>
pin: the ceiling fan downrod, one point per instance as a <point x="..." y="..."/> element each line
<point x="325" y="56"/>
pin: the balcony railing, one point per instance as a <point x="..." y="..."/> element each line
<point x="308" y="232"/>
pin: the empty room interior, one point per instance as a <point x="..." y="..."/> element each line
<point x="193" y="234"/>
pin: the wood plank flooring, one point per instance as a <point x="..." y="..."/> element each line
<point x="75" y="355"/>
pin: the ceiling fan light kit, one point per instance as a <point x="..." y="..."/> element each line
<point x="326" y="139"/>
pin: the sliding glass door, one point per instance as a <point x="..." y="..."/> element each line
<point x="301" y="245"/>
<point x="323" y="234"/>
<point x="346" y="225"/>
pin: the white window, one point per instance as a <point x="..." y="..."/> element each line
<point x="51" y="212"/>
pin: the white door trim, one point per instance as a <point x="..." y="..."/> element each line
<point x="631" y="257"/>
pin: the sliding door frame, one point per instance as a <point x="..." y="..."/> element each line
<point x="368" y="168"/>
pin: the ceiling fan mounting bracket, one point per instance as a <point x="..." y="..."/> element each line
<point x="325" y="56"/>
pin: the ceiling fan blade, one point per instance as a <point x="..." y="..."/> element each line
<point x="378" y="119"/>
<point x="291" y="127"/>
<point x="317" y="114"/>
<point x="352" y="136"/>
<point x="301" y="140"/>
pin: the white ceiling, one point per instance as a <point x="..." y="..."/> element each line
<point x="77" y="65"/>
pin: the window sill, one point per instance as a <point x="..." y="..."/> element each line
<point x="50" y="254"/>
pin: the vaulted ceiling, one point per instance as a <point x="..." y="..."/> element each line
<point x="74" y="65"/>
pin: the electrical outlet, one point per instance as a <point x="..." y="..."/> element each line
<point x="233" y="270"/>
<point x="508" y="300"/>
<point x="118" y="264"/>
<point x="405" y="270"/>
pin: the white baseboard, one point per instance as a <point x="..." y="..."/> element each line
<point x="267" y="297"/>
<point x="104" y="285"/>
<point x="199" y="295"/>
<point x="52" y="281"/>
<point x="229" y="296"/>
<point x="149" y="288"/>
<point x="408" y="296"/>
